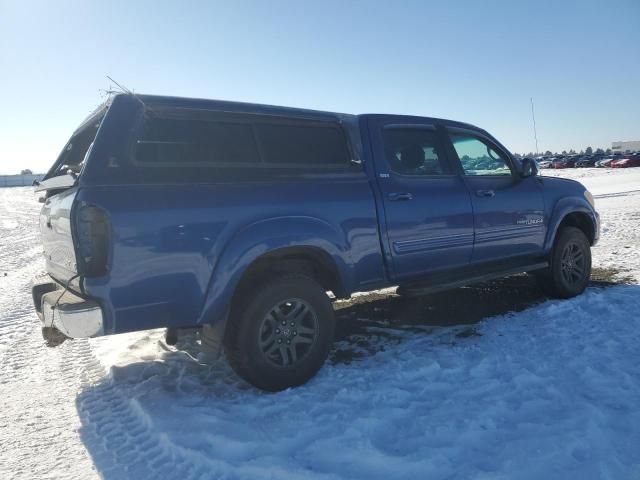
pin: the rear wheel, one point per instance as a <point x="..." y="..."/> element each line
<point x="280" y="332"/>
<point x="570" y="269"/>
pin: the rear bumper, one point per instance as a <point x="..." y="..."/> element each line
<point x="72" y="315"/>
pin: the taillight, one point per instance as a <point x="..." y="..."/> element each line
<point x="92" y="240"/>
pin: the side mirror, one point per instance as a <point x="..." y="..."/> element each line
<point x="529" y="167"/>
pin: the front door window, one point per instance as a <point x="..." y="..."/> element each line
<point x="478" y="157"/>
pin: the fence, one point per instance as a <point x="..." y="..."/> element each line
<point x="19" y="180"/>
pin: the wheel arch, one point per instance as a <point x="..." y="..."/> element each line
<point x="279" y="245"/>
<point x="308" y="260"/>
<point x="581" y="221"/>
<point x="578" y="214"/>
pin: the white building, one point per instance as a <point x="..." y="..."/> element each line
<point x="625" y="146"/>
<point x="19" y="180"/>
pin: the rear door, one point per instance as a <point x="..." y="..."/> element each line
<point x="426" y="206"/>
<point x="508" y="209"/>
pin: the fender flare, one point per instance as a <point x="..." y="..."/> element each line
<point x="564" y="207"/>
<point x="260" y="238"/>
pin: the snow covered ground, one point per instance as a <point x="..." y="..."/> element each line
<point x="550" y="391"/>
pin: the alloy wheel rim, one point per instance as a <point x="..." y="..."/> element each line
<point x="572" y="263"/>
<point x="288" y="332"/>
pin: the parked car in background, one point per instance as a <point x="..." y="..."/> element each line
<point x="586" y="162"/>
<point x="236" y="219"/>
<point x="631" y="161"/>
<point x="605" y="161"/>
<point x="565" y="162"/>
<point x="544" y="164"/>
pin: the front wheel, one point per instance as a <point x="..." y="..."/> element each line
<point x="279" y="335"/>
<point x="570" y="269"/>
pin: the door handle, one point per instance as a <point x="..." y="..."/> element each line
<point x="400" y="196"/>
<point x="485" y="193"/>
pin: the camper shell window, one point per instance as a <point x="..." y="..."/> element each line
<point x="237" y="140"/>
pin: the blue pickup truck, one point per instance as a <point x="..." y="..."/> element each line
<point x="244" y="221"/>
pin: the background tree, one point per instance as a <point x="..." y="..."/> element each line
<point x="608" y="152"/>
<point x="599" y="150"/>
<point x="26" y="171"/>
<point x="589" y="151"/>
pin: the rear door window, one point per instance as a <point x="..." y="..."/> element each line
<point x="414" y="151"/>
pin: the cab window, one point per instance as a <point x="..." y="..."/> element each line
<point x="478" y="157"/>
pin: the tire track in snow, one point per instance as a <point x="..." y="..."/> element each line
<point x="122" y="441"/>
<point x="121" y="437"/>
<point x="18" y="315"/>
<point x="20" y="260"/>
<point x="38" y="431"/>
<point x="617" y="194"/>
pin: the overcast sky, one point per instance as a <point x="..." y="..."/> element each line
<point x="478" y="62"/>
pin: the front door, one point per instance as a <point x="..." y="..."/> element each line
<point x="508" y="209"/>
<point x="427" y="209"/>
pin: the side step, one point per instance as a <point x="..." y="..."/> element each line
<point x="432" y="285"/>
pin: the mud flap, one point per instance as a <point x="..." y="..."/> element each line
<point x="212" y="338"/>
<point x="53" y="336"/>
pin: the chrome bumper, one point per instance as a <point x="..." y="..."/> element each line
<point x="72" y="315"/>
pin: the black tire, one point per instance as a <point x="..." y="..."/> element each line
<point x="570" y="265"/>
<point x="300" y="346"/>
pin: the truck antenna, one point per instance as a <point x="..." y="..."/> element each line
<point x="124" y="89"/>
<point x="133" y="94"/>
<point x="533" y="117"/>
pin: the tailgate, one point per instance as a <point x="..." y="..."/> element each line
<point x="57" y="238"/>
